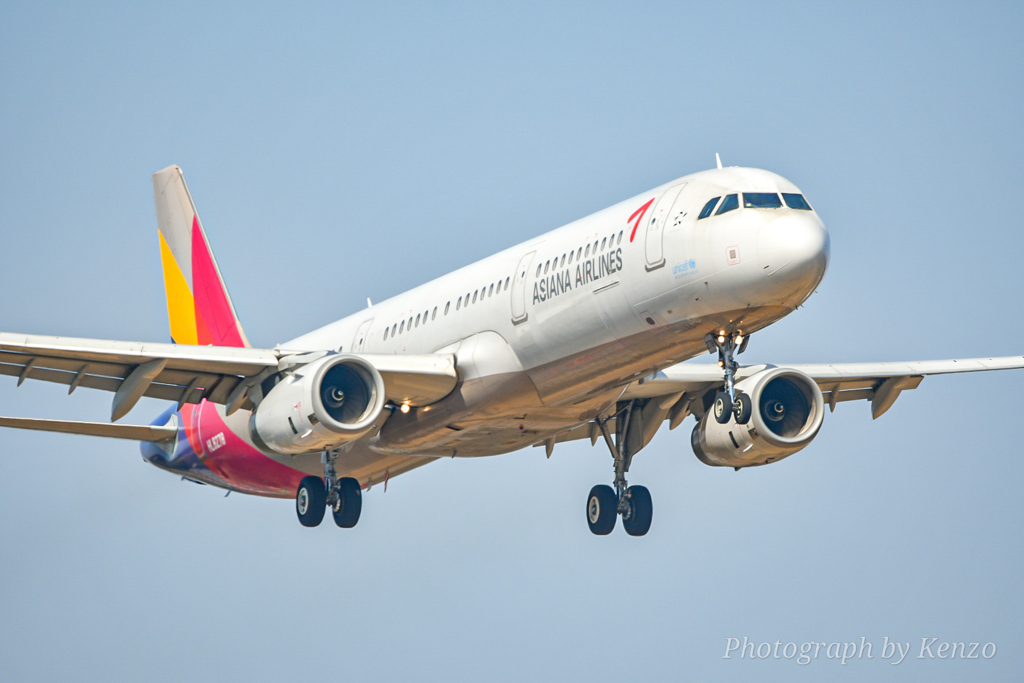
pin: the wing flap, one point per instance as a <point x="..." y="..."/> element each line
<point x="417" y="380"/>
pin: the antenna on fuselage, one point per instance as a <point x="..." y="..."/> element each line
<point x="718" y="160"/>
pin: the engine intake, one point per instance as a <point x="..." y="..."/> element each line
<point x="320" y="405"/>
<point x="788" y="411"/>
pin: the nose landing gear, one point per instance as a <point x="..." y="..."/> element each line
<point x="728" y="401"/>
<point x="632" y="502"/>
<point x="344" y="496"/>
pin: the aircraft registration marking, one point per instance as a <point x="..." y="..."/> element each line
<point x="215" y="442"/>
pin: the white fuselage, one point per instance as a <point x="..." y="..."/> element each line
<point x="548" y="333"/>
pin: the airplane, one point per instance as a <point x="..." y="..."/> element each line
<point x="579" y="333"/>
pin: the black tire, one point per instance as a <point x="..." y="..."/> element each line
<point x="602" y="509"/>
<point x="742" y="409"/>
<point x="350" y="503"/>
<point x="311" y="501"/>
<point x="637" y="521"/>
<point x="721" y="408"/>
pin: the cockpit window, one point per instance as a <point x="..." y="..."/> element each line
<point x="708" y="208"/>
<point x="761" y="200"/>
<point x="796" y="201"/>
<point x="730" y="202"/>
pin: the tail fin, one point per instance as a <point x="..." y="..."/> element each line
<point x="198" y="304"/>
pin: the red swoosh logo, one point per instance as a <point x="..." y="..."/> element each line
<point x="639" y="216"/>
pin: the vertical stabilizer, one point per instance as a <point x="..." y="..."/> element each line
<point x="198" y="304"/>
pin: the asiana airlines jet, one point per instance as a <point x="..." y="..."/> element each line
<point x="576" y="334"/>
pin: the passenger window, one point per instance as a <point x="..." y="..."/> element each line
<point x="433" y="316"/>
<point x="796" y="201"/>
<point x="474" y="296"/>
<point x="548" y="263"/>
<point x="587" y="252"/>
<point x="506" y="283"/>
<point x="619" y="241"/>
<point x="570" y="256"/>
<point x="595" y="246"/>
<point x="538" y="269"/>
<point x="402" y="328"/>
<point x="446" y="307"/>
<point x="394" y="329"/>
<point x="386" y="330"/>
<point x="579" y="254"/>
<point x="490" y="292"/>
<point x="761" y="200"/>
<point x="603" y="242"/>
<point x="410" y="323"/>
<point x="467" y="299"/>
<point x="417" y="320"/>
<point x="458" y="304"/>
<point x="730" y="202"/>
<point x="709" y="207"/>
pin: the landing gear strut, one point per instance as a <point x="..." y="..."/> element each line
<point x="344" y="496"/>
<point x="632" y="502"/>
<point x="728" y="401"/>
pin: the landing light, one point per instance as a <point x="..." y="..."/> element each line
<point x="404" y="408"/>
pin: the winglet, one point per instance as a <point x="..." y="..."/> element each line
<point x="718" y="160"/>
<point x="198" y="304"/>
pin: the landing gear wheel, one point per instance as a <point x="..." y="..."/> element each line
<point x="350" y="503"/>
<point x="311" y="501"/>
<point x="602" y="509"/>
<point x="637" y="521"/>
<point x="722" y="407"/>
<point x="742" y="408"/>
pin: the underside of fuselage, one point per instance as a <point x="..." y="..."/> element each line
<point x="488" y="415"/>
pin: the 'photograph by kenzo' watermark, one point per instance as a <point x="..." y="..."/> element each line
<point x="893" y="652"/>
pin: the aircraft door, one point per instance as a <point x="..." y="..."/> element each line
<point x="519" y="289"/>
<point x="661" y="215"/>
<point x="361" y="334"/>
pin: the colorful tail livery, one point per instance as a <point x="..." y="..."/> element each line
<point x="198" y="304"/>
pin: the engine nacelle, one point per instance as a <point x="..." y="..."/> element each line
<point x="787" y="412"/>
<point x="320" y="405"/>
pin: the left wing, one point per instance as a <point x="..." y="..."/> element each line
<point x="188" y="374"/>
<point x="881" y="383"/>
<point x="678" y="391"/>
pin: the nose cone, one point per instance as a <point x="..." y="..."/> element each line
<point x="793" y="252"/>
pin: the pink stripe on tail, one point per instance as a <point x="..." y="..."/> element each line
<point x="212" y="307"/>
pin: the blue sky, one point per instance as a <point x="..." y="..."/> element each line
<point x="343" y="152"/>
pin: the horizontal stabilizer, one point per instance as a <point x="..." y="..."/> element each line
<point x="133" y="432"/>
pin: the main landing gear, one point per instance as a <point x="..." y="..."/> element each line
<point x="728" y="401"/>
<point x="343" y="496"/>
<point x="632" y="502"/>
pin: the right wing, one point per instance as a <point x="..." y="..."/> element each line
<point x="188" y="374"/>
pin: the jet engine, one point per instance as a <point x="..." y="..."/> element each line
<point x="787" y="412"/>
<point x="323" y="404"/>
